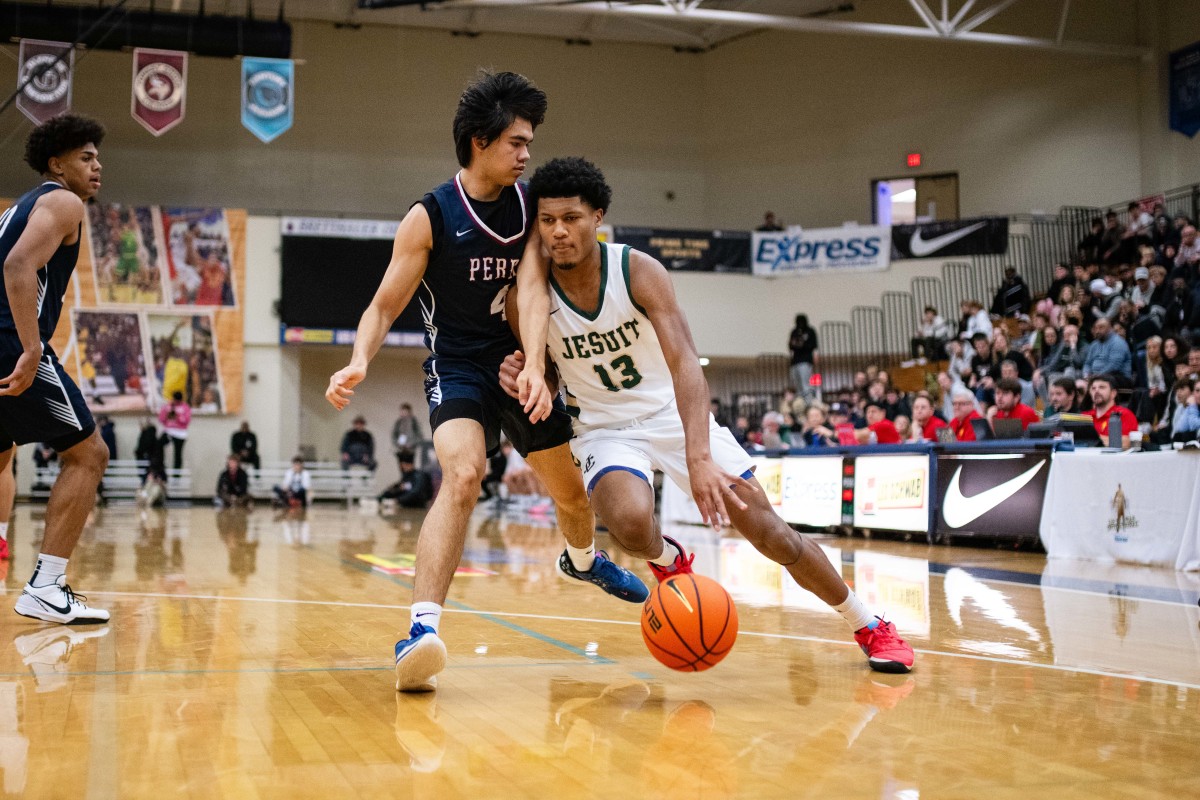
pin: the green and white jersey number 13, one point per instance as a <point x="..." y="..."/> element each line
<point x="624" y="367"/>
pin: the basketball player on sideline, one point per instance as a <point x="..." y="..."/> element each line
<point x="625" y="356"/>
<point x="459" y="247"/>
<point x="39" y="244"/>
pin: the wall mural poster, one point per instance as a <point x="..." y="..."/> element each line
<point x="126" y="254"/>
<point x="111" y="360"/>
<point x="199" y="257"/>
<point x="186" y="360"/>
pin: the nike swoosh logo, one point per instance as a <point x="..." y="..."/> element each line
<point x="958" y="510"/>
<point x="923" y="247"/>
<point x="463" y="233"/>
<point x="64" y="610"/>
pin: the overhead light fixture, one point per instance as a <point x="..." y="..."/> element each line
<point x="704" y="362"/>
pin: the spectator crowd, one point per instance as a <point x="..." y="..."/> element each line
<point x="1116" y="334"/>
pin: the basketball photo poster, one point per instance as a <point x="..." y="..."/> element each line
<point x="185" y="360"/>
<point x="199" y="257"/>
<point x="110" y="357"/>
<point x="126" y="254"/>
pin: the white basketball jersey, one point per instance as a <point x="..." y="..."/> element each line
<point x="610" y="362"/>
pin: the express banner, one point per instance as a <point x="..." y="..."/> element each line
<point x="267" y="96"/>
<point x="991" y="494"/>
<point x="1184" y="69"/>
<point x="963" y="237"/>
<point x="690" y="250"/>
<point x="159" y="97"/>
<point x="801" y="252"/>
<point x="44" y="78"/>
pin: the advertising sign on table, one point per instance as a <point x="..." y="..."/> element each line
<point x="690" y="250"/>
<point x="1143" y="509"/>
<point x="892" y="493"/>
<point x="991" y="494"/>
<point x="853" y="248"/>
<point x="962" y="237"/>
<point x="812" y="490"/>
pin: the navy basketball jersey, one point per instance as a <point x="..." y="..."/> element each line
<point x="476" y="250"/>
<point x="52" y="277"/>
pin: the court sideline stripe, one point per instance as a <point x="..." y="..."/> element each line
<point x="493" y="616"/>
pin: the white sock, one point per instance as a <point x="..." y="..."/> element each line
<point x="4" y="531"/>
<point x="427" y="614"/>
<point x="856" y="614"/>
<point x="667" y="559"/>
<point x="47" y="570"/>
<point x="582" y="558"/>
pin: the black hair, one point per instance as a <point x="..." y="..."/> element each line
<point x="571" y="177"/>
<point x="490" y="104"/>
<point x="802" y="322"/>
<point x="59" y="135"/>
<point x="876" y="404"/>
<point x="975" y="337"/>
<point x="177" y="396"/>
<point x="1103" y="378"/>
<point x="1067" y="385"/>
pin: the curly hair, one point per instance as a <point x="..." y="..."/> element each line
<point x="59" y="135"/>
<point x="571" y="177"/>
<point x="490" y="104"/>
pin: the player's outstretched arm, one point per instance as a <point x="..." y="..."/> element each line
<point x="650" y="287"/>
<point x="55" y="217"/>
<point x="410" y="257"/>
<point x="514" y="364"/>
<point x="533" y="304"/>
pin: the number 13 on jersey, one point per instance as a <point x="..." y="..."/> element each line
<point x="623" y="366"/>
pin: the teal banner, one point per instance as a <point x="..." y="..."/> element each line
<point x="267" y="96"/>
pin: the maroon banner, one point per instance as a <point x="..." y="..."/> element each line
<point x="159" y="88"/>
<point x="46" y="78"/>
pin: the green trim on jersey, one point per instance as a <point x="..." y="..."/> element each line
<point x="628" y="285"/>
<point x="603" y="284"/>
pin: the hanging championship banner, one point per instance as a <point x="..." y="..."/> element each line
<point x="267" y="85"/>
<point x="1184" y="72"/>
<point x="159" y="88"/>
<point x="45" y="72"/>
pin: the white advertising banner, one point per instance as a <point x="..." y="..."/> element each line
<point x="812" y="490"/>
<point x="854" y="248"/>
<point x="1141" y="508"/>
<point x="892" y="493"/>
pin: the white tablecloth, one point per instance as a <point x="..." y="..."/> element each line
<point x="1142" y="508"/>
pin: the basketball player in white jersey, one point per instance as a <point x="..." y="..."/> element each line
<point x="626" y="360"/>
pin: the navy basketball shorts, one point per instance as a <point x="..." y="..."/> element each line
<point x="51" y="410"/>
<point x="458" y="388"/>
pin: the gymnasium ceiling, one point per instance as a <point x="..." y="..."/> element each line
<point x="1105" y="27"/>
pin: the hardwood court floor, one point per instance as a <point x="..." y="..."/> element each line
<point x="250" y="657"/>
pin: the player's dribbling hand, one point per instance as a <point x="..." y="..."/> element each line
<point x="510" y="370"/>
<point x="341" y="386"/>
<point x="22" y="375"/>
<point x="712" y="489"/>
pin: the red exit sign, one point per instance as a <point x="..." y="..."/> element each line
<point x="913" y="159"/>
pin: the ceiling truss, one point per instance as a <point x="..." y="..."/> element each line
<point x="943" y="22"/>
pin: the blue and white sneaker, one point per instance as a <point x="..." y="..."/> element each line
<point x="616" y="580"/>
<point x="419" y="659"/>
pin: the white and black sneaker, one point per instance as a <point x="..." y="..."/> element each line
<point x="57" y="603"/>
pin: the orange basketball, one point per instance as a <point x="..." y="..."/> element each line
<point x="689" y="623"/>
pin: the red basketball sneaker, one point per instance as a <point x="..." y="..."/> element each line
<point x="3" y="549"/>
<point x="886" y="651"/>
<point x="682" y="565"/>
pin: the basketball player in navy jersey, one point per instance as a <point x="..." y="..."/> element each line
<point x="39" y="245"/>
<point x="623" y="350"/>
<point x="458" y="249"/>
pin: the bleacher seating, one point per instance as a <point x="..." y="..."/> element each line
<point x="329" y="481"/>
<point x="122" y="479"/>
